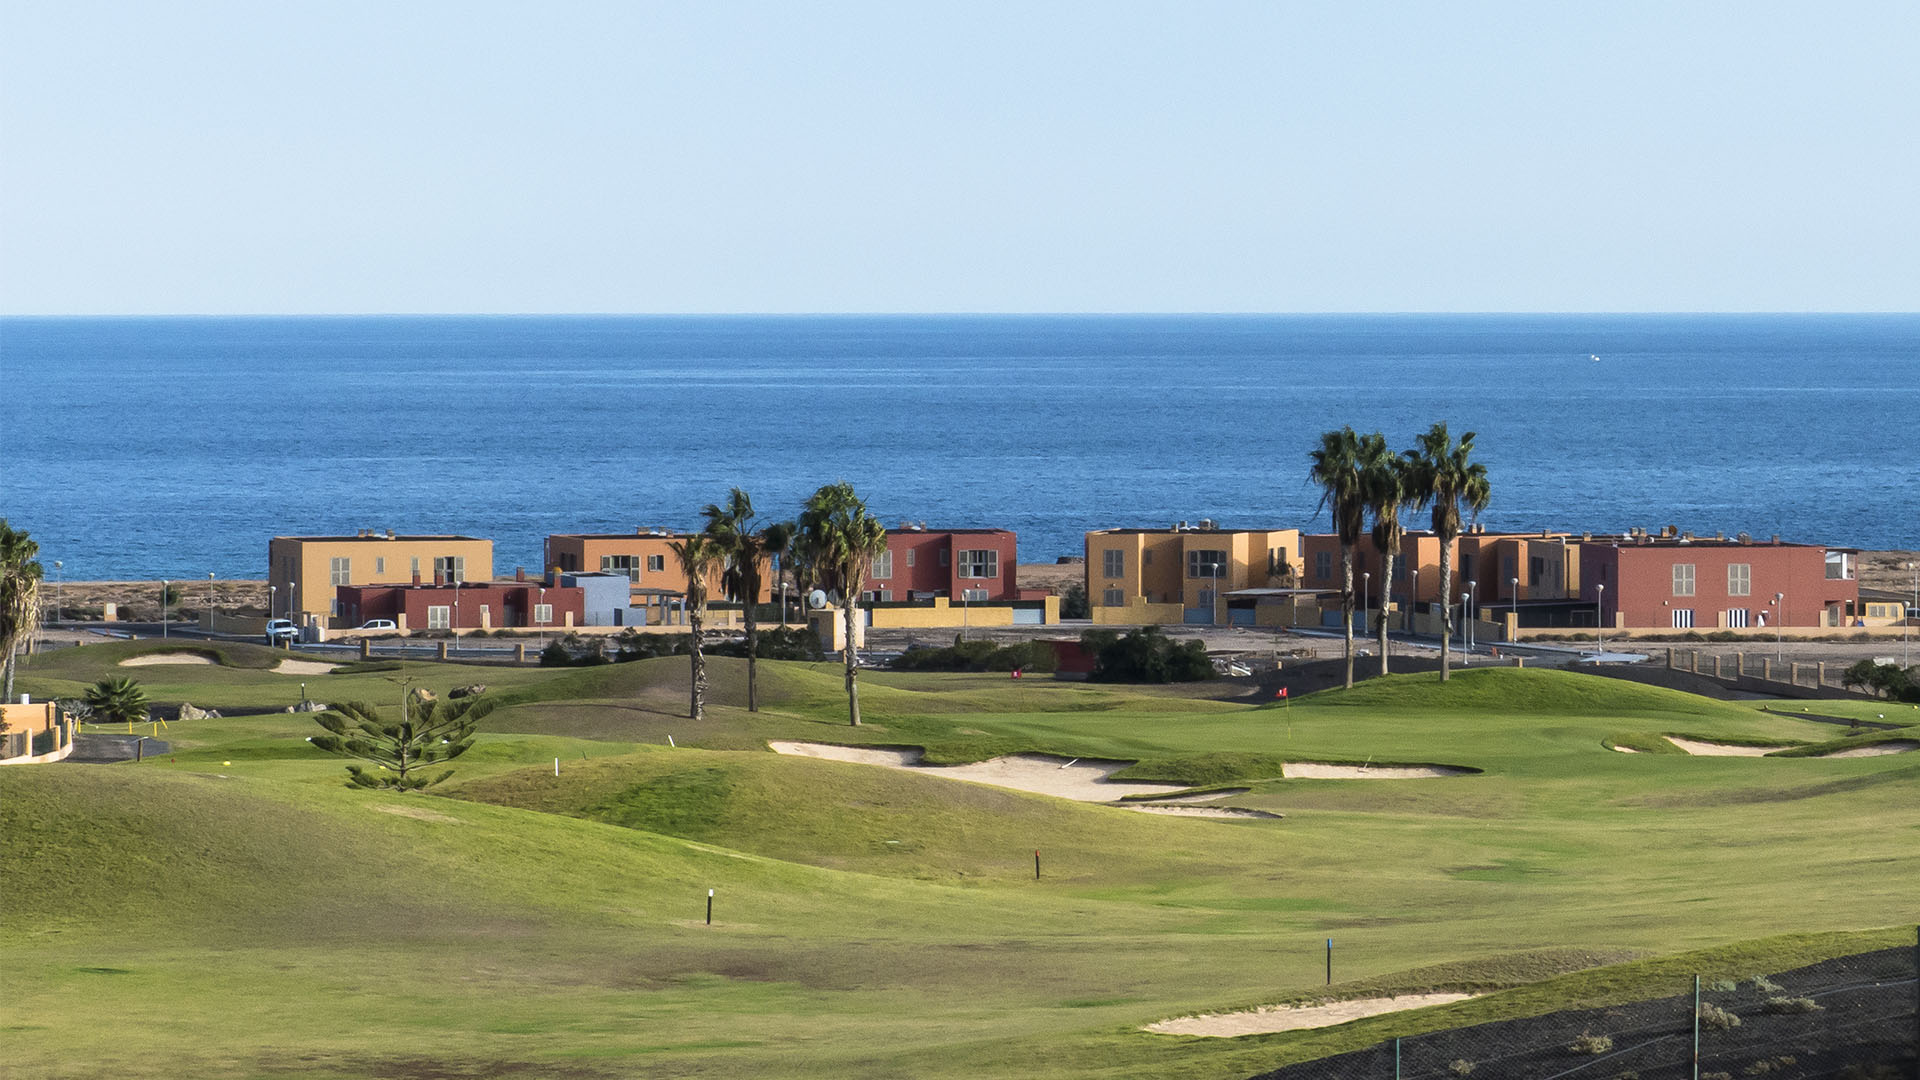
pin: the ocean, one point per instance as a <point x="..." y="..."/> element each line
<point x="154" y="447"/>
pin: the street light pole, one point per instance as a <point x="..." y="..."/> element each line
<point x="1780" y="628"/>
<point x="1366" y="598"/>
<point x="1600" y="616"/>
<point x="209" y="601"/>
<point x="1473" y="595"/>
<point x="542" y="611"/>
<point x="1516" y="605"/>
<point x="163" y="607"/>
<point x="273" y="602"/>
<point x="1413" y="601"/>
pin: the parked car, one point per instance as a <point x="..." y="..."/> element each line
<point x="380" y="624"/>
<point x="279" y="630"/>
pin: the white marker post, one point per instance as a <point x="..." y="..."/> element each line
<point x="709" y="907"/>
<point x="556" y="766"/>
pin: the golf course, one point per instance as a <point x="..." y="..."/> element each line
<point x="230" y="907"/>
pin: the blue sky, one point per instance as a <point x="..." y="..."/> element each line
<point x="626" y="157"/>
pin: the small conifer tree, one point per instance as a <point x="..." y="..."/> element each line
<point x="428" y="733"/>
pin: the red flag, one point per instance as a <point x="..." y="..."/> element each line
<point x="1016" y="673"/>
<point x="1282" y="693"/>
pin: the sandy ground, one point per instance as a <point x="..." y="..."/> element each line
<point x="1877" y="750"/>
<point x="158" y="659"/>
<point x="1313" y="770"/>
<point x="303" y="667"/>
<point x="1625" y="750"/>
<point x="1083" y="781"/>
<point x="1297" y="1017"/>
<point x="1226" y="812"/>
<point x="1715" y="749"/>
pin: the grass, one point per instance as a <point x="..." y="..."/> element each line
<point x="245" y="918"/>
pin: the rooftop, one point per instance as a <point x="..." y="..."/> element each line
<point x="374" y="534"/>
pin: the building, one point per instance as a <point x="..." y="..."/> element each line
<point x="304" y="573"/>
<point x="1676" y="581"/>
<point x="645" y="556"/>
<point x="971" y="565"/>
<point x="457" y="605"/>
<point x="1138" y="576"/>
<point x="34" y="733"/>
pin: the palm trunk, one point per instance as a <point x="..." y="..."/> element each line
<point x="853" y="677"/>
<point x="1446" y="602"/>
<point x="8" y="696"/>
<point x="1386" y="591"/>
<point x="698" y="661"/>
<point x="1346" y="606"/>
<point x="753" y="650"/>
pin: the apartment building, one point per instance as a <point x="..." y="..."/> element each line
<point x="645" y="556"/>
<point x="1535" y="573"/>
<point x="1181" y="574"/>
<point x="468" y="605"/>
<point x="974" y="565"/>
<point x="1678" y="581"/>
<point x="305" y="572"/>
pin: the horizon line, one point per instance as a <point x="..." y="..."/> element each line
<point x="780" y="314"/>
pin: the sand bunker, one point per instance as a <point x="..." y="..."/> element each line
<point x="303" y="667"/>
<point x="1876" y="750"/>
<point x="156" y="659"/>
<point x="1623" y="749"/>
<point x="1313" y="770"/>
<point x="1227" y="812"/>
<point x="1720" y="749"/>
<point x="1042" y="774"/>
<point x="1204" y="796"/>
<point x="1296" y="1017"/>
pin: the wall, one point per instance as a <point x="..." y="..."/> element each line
<point x="33" y="722"/>
<point x="304" y="565"/>
<point x="941" y="613"/>
<point x="1137" y="612"/>
<point x="928" y="561"/>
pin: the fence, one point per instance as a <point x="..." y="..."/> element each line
<point x="1852" y="1018"/>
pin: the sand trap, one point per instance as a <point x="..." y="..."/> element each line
<point x="1227" y="812"/>
<point x="1204" y="796"/>
<point x="1313" y="770"/>
<point x="1720" y="749"/>
<point x="1042" y="774"/>
<point x="156" y="659"/>
<point x="303" y="667"/>
<point x="415" y="812"/>
<point x="1876" y="750"/>
<point x="1623" y="749"/>
<point x="1296" y="1017"/>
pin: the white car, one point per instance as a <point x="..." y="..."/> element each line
<point x="380" y="624"/>
<point x="279" y="630"/>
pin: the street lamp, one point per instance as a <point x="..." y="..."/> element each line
<point x="456" y="613"/>
<point x="1366" y="598"/>
<point x="541" y="612"/>
<point x="57" y="564"/>
<point x="1463" y="628"/>
<point x="163" y="607"/>
<point x="1473" y="595"/>
<point x="1600" y="616"/>
<point x="1779" y="628"/>
<point x="273" y="604"/>
<point x="1516" y="605"/>
<point x="1413" y="602"/>
<point x="1219" y="572"/>
<point x="209" y="601"/>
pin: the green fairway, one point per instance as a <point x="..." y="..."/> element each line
<point x="235" y="910"/>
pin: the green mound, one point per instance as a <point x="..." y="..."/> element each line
<point x="94" y="662"/>
<point x="1527" y="691"/>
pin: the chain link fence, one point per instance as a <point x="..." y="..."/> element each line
<point x="1851" y="1018"/>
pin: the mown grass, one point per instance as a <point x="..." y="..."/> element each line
<point x="254" y="917"/>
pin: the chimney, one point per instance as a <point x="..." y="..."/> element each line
<point x="1586" y="536"/>
<point x="389" y="534"/>
<point x="416" y="577"/>
<point x="1776" y="538"/>
<point x="520" y="574"/>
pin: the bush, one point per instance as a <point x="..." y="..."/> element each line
<point x="555" y="655"/>
<point x="1792" y="1005"/>
<point x="1715" y="1018"/>
<point x="1146" y="656"/>
<point x="979" y="656"/>
<point x="1074" y="603"/>
<point x="1723" y="986"/>
<point x="793" y="643"/>
<point x="1589" y="1043"/>
<point x="1764" y="984"/>
<point x="1460" y="1067"/>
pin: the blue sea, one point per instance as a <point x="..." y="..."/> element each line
<point x="151" y="447"/>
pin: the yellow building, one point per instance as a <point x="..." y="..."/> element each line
<point x="1138" y="576"/>
<point x="304" y="571"/>
<point x="644" y="555"/>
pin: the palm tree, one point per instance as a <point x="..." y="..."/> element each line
<point x="747" y="550"/>
<point x="118" y="700"/>
<point x="1384" y="475"/>
<point x="1445" y="477"/>
<point x="843" y="539"/>
<point x="1336" y="469"/>
<point x="20" y="576"/>
<point x="698" y="556"/>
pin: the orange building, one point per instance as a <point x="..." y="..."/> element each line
<point x="644" y="555"/>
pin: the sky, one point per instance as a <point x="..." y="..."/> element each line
<point x="343" y="157"/>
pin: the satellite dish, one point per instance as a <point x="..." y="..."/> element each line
<point x="817" y="599"/>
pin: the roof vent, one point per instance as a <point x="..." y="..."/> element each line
<point x="1745" y="538"/>
<point x="389" y="534"/>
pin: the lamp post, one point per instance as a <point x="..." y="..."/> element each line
<point x="1366" y="598"/>
<point x="273" y="603"/>
<point x="1219" y="572"/>
<point x="1516" y="604"/>
<point x="1413" y="602"/>
<point x="1600" y="615"/>
<point x="1779" y="628"/>
<point x="209" y="601"/>
<point x="163" y="607"/>
<point x="57" y="564"/>
<point x="1905" y="621"/>
<point x="456" y="613"/>
<point x="1473" y="609"/>
<point x="541" y="612"/>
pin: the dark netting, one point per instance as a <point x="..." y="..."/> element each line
<point x="1851" y="1018"/>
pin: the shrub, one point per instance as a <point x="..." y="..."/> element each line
<point x="1716" y="1076"/>
<point x="1764" y="984"/>
<point x="1716" y="1018"/>
<point x="1767" y="1065"/>
<point x="1460" y="1067"/>
<point x="1792" y="1005"/>
<point x="793" y="643"/>
<point x="1074" y="603"/>
<point x="1589" y="1043"/>
<point x="1146" y="655"/>
<point x="555" y="655"/>
<point x="1723" y="986"/>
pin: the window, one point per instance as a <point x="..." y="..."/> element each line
<point x="1114" y="562"/>
<point x="943" y="556"/>
<point x="1207" y="564"/>
<point x="1506" y="566"/>
<point x="1323" y="564"/>
<point x="1277" y="563"/>
<point x="380" y="566"/>
<point x="1682" y="618"/>
<point x="621" y="564"/>
<point x="973" y="595"/>
<point x="1737" y="619"/>
<point x="542" y="614"/>
<point x="415" y="568"/>
<point x="450" y="568"/>
<point x="909" y="558"/>
<point x="1536" y="568"/>
<point x="1113" y="598"/>
<point x="979" y="563"/>
<point x="1146" y="557"/>
<point x="437" y="617"/>
<point x="656" y="564"/>
<point x="1740" y="579"/>
<point x="340" y="570"/>
<point x="1683" y="580"/>
<point x="883" y="566"/>
<point x="1839" y="566"/>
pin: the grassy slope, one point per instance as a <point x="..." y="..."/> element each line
<point x="539" y="933"/>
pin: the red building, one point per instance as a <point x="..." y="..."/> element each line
<point x="922" y="563"/>
<point x="466" y="606"/>
<point x="1679" y="582"/>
